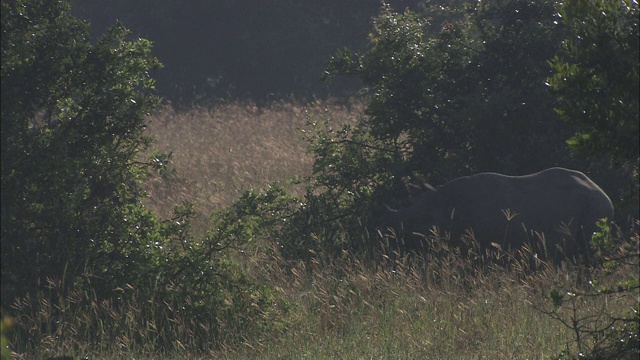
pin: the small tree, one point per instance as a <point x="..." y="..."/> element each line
<point x="72" y="127"/>
<point x="73" y="120"/>
<point x="463" y="90"/>
<point x="596" y="78"/>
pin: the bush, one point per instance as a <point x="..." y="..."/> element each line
<point x="76" y="235"/>
<point x="461" y="90"/>
<point x="72" y="125"/>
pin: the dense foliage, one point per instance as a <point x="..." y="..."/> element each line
<point x="73" y="120"/>
<point x="596" y="78"/>
<point x="72" y="124"/>
<point x="467" y="94"/>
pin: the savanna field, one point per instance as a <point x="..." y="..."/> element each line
<point x="342" y="307"/>
<point x="320" y="180"/>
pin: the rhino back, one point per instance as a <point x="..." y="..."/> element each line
<point x="512" y="210"/>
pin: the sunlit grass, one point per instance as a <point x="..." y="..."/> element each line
<point x="221" y="152"/>
<point x="418" y="308"/>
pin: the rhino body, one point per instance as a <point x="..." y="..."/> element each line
<point x="560" y="205"/>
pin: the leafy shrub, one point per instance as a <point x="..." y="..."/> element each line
<point x="461" y="90"/>
<point x="72" y="125"/>
<point x="75" y="232"/>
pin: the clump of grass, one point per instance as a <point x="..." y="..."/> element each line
<point x="81" y="324"/>
<point x="148" y="324"/>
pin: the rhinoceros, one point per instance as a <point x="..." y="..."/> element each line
<point x="558" y="205"/>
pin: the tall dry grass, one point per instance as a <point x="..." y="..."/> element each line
<point x="422" y="307"/>
<point x="401" y="307"/>
<point x="221" y="152"/>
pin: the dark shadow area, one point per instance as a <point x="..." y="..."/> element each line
<point x="258" y="50"/>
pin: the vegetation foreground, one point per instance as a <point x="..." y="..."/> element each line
<point x="409" y="307"/>
<point x="341" y="308"/>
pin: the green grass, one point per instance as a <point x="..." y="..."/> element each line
<point x="406" y="308"/>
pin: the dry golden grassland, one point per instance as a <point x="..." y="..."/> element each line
<point x="401" y="308"/>
<point x="219" y="153"/>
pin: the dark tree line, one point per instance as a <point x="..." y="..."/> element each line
<point x="242" y="49"/>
